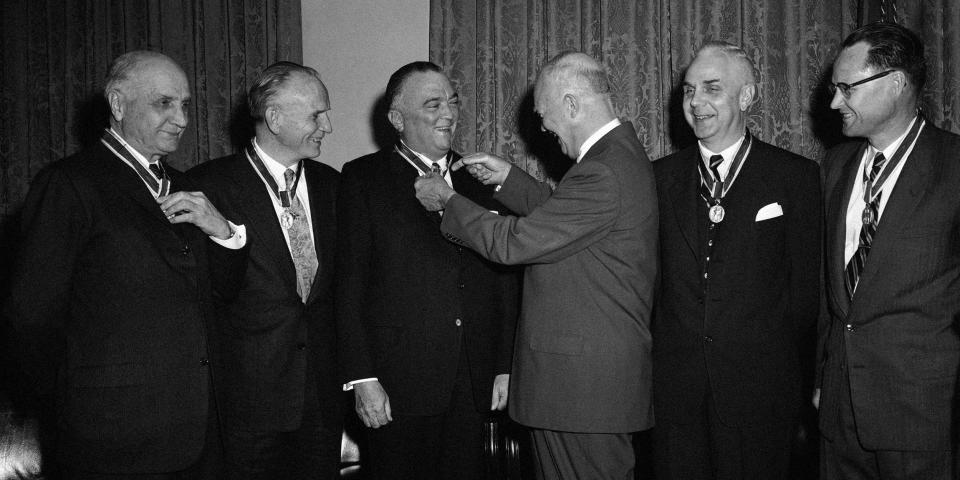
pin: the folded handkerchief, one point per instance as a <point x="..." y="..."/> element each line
<point x="772" y="210"/>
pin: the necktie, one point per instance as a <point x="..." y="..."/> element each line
<point x="301" y="246"/>
<point x="871" y="216"/>
<point x="710" y="190"/>
<point x="158" y="170"/>
<point x="435" y="168"/>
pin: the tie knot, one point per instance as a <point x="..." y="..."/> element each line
<point x="878" y="161"/>
<point x="289" y="176"/>
<point x="715" y="161"/>
<point x="435" y="168"/>
<point x="157" y="170"/>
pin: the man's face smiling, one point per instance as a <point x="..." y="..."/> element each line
<point x="303" y="120"/>
<point x="871" y="107"/>
<point x="548" y="103"/>
<point x="429" y="109"/>
<point x="154" y="108"/>
<point x="713" y="101"/>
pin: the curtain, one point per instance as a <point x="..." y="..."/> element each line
<point x="55" y="55"/>
<point x="493" y="49"/>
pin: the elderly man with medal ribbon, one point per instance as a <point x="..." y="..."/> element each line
<point x="116" y="286"/>
<point x="740" y="254"/>
<point x="282" y="408"/>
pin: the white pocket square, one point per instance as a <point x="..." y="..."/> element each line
<point x="770" y="211"/>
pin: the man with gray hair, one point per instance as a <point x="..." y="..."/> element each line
<point x="739" y="266"/>
<point x="281" y="398"/>
<point x="582" y="371"/>
<point x="114" y="289"/>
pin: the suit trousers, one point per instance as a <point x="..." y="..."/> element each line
<point x="574" y="456"/>
<point x="311" y="452"/>
<point x="707" y="449"/>
<point x="844" y="458"/>
<point x="445" y="446"/>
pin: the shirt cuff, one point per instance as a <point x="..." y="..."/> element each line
<point x="236" y="241"/>
<point x="349" y="385"/>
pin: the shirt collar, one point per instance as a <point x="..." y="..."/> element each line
<point x="596" y="136"/>
<point x="727" y="153"/>
<point x="137" y="155"/>
<point x="427" y="161"/>
<point x="274" y="167"/>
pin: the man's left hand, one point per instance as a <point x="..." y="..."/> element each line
<point x="195" y="208"/>
<point x="433" y="192"/>
<point x="501" y="385"/>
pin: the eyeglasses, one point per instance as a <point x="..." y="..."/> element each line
<point x="846" y="87"/>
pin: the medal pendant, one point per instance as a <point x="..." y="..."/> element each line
<point x="868" y="215"/>
<point x="716" y="214"/>
<point x="286" y="220"/>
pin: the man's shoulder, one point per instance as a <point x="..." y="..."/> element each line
<point x="219" y="165"/>
<point x="370" y="163"/>
<point x="675" y="162"/>
<point x="781" y="159"/>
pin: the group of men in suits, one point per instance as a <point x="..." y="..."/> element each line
<point x="175" y="343"/>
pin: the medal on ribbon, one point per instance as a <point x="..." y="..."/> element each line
<point x="282" y="196"/>
<point x="713" y="189"/>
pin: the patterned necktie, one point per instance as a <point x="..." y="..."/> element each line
<point x="158" y="170"/>
<point x="709" y="190"/>
<point x="301" y="245"/>
<point x="869" y="229"/>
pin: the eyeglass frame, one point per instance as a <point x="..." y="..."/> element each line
<point x="846" y="87"/>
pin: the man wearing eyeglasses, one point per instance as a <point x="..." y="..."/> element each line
<point x="889" y="351"/>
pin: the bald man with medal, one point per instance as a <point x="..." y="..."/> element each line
<point x="739" y="252"/>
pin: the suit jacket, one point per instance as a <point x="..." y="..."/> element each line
<point x="108" y="311"/>
<point x="273" y="343"/>
<point x="408" y="300"/>
<point x="582" y="360"/>
<point x="897" y="338"/>
<point x="739" y="333"/>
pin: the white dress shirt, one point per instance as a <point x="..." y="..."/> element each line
<point x="276" y="170"/>
<point x="855" y="206"/>
<point x="728" y="155"/>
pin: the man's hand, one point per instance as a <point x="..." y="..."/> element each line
<point x="486" y="168"/>
<point x="372" y="404"/>
<point x="816" y="398"/>
<point x="501" y="384"/>
<point x="433" y="191"/>
<point x="195" y="208"/>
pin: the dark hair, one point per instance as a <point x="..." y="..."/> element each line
<point x="892" y="46"/>
<point x="395" y="84"/>
<point x="269" y="81"/>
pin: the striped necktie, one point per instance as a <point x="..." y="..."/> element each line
<point x="871" y="216"/>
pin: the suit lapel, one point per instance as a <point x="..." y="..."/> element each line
<point x="685" y="200"/>
<point x="837" y="214"/>
<point x="257" y="207"/>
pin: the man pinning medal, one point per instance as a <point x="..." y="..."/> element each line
<point x="740" y="253"/>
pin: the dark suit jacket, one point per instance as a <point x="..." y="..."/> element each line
<point x="582" y="359"/>
<point x="898" y="337"/>
<point x="273" y="343"/>
<point x="108" y="312"/>
<point x="738" y="335"/>
<point x="408" y="300"/>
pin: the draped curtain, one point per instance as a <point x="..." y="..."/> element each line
<point x="493" y="49"/>
<point x="55" y="55"/>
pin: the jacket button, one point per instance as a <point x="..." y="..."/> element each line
<point x="301" y="346"/>
<point x="458" y="322"/>
<point x="850" y="327"/>
<point x="461" y="286"/>
<point x="707" y="338"/>
<point x="204" y="362"/>
<point x="186" y="250"/>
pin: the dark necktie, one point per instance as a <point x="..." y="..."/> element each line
<point x="303" y="251"/>
<point x="709" y="190"/>
<point x="868" y="230"/>
<point x="158" y="170"/>
<point x="435" y="168"/>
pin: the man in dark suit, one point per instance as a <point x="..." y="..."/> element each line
<point x="282" y="417"/>
<point x="113" y="289"/>
<point x="889" y="349"/>
<point x="426" y="327"/>
<point x="739" y="270"/>
<point x="582" y="373"/>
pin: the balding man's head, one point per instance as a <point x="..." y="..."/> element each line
<point x="148" y="96"/>
<point x="572" y="98"/>
<point x="718" y="88"/>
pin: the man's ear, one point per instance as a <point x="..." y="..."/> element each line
<point x="748" y="95"/>
<point x="571" y="104"/>
<point x="115" y="101"/>
<point x="396" y="119"/>
<point x="271" y="117"/>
